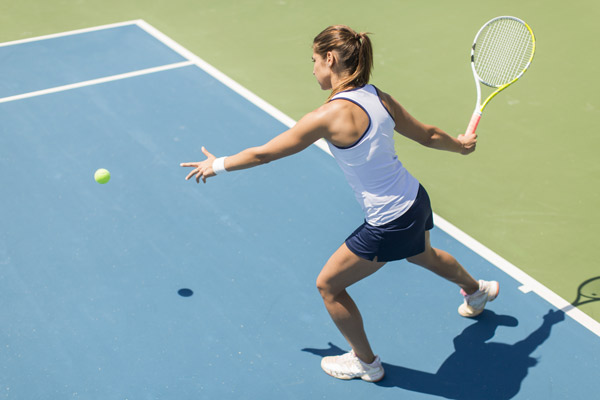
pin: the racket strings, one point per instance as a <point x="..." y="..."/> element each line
<point x="495" y="55"/>
<point x="502" y="52"/>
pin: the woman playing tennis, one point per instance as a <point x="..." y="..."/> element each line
<point x="358" y="122"/>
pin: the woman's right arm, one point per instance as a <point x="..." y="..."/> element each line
<point x="308" y="130"/>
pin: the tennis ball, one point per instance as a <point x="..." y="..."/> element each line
<point x="102" y="176"/>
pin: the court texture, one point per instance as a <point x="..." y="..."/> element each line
<point x="152" y="287"/>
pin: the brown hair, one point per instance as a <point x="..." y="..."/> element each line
<point x="354" y="50"/>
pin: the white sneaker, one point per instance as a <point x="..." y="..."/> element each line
<point x="348" y="366"/>
<point x="475" y="303"/>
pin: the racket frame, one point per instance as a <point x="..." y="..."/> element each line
<point x="476" y="117"/>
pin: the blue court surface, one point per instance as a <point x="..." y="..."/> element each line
<point x="91" y="275"/>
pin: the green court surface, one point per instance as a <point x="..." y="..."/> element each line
<point x="530" y="193"/>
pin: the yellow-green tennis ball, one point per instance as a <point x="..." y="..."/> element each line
<point x="102" y="176"/>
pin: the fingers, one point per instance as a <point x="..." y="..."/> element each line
<point x="194" y="172"/>
<point x="206" y="153"/>
<point x="468" y="143"/>
<point x="200" y="173"/>
<point x="468" y="138"/>
<point x="197" y="163"/>
<point x="202" y="169"/>
<point x="207" y="173"/>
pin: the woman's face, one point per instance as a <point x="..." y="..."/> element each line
<point x="322" y="71"/>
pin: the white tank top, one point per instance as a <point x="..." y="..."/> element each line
<point x="383" y="187"/>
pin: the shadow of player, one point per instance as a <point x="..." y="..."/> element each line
<point x="478" y="369"/>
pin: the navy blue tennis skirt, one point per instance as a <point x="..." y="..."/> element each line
<point x="404" y="237"/>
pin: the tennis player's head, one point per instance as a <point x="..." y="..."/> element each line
<point x="347" y="53"/>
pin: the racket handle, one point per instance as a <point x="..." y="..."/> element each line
<point x="473" y="123"/>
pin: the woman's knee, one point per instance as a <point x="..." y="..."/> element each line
<point x="325" y="288"/>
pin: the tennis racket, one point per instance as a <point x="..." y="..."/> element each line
<point x="501" y="53"/>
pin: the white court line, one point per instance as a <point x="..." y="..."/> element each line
<point x="528" y="283"/>
<point x="92" y="81"/>
<point x="96" y="81"/>
<point x="68" y="33"/>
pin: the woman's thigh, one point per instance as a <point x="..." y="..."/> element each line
<point x="343" y="269"/>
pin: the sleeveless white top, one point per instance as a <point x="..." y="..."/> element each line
<point x="383" y="187"/>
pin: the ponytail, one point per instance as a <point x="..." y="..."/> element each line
<point x="355" y="54"/>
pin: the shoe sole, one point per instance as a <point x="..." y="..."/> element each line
<point x="364" y="377"/>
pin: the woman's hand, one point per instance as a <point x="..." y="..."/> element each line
<point x="468" y="143"/>
<point x="202" y="169"/>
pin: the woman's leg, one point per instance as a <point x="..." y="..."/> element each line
<point x="446" y="266"/>
<point x="343" y="269"/>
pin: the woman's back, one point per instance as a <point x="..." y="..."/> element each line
<point x="382" y="186"/>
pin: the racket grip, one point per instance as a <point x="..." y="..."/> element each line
<point x="473" y="123"/>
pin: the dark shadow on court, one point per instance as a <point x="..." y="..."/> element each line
<point x="478" y="369"/>
<point x="587" y="292"/>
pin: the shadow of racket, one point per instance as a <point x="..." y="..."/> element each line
<point x="588" y="292"/>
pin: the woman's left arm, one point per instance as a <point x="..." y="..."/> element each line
<point x="308" y="130"/>
<point x="427" y="135"/>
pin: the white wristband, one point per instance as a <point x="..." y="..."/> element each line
<point x="218" y="165"/>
